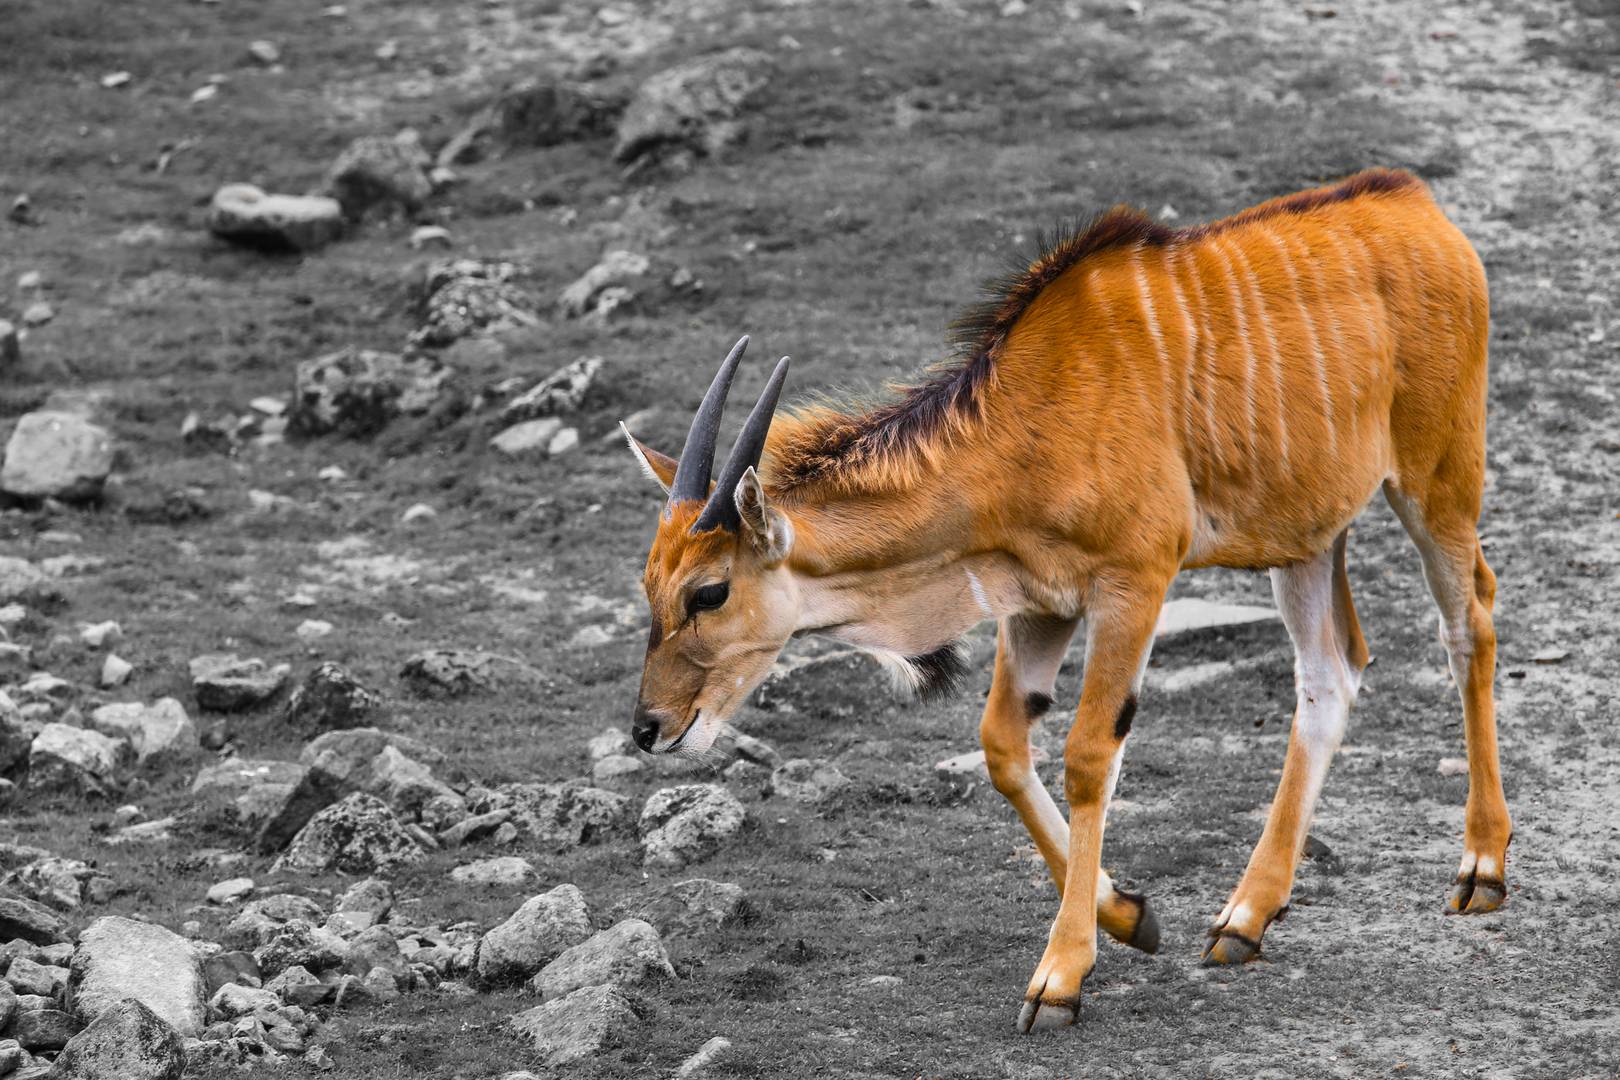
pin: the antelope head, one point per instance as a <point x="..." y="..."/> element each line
<point x="723" y="601"/>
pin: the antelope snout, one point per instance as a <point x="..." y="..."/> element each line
<point x="644" y="727"/>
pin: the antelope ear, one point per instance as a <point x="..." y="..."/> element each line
<point x="768" y="530"/>
<point x="658" y="467"/>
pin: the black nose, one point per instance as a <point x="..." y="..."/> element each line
<point x="644" y="729"/>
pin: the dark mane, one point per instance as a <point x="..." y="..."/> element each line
<point x="828" y="442"/>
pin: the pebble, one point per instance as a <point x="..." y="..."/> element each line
<point x="419" y="512"/>
<point x="204" y="93"/>
<point x="564" y="441"/>
<point x="313" y="630"/>
<point x="430" y="236"/>
<point x="99" y="634"/>
<point x="230" y="890"/>
<point x="114" y="79"/>
<point x="1453" y="766"/>
<point x="332" y="474"/>
<point x="115" y="670"/>
<point x="38" y="313"/>
<point x="32" y="279"/>
<point x="265" y="52"/>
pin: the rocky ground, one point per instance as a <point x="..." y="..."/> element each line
<point x="319" y="614"/>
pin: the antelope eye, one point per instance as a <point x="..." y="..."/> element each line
<point x="709" y="597"/>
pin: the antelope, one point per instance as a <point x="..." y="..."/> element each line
<point x="1140" y="400"/>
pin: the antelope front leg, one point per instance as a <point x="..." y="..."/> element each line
<point x="1118" y="635"/>
<point x="1029" y="651"/>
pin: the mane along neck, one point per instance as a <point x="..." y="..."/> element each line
<point x="876" y="448"/>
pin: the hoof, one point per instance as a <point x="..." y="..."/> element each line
<point x="1047" y="1016"/>
<point x="1473" y="895"/>
<point x="1146" y="935"/>
<point x="1229" y="947"/>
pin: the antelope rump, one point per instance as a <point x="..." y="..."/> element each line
<point x="1140" y="400"/>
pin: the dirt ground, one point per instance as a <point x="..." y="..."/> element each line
<point x="900" y="154"/>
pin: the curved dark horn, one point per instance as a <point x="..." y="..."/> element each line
<point x="721" y="509"/>
<point x="697" y="456"/>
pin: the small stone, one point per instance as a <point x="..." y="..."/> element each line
<point x="231" y="890"/>
<point x="99" y="635"/>
<point x="448" y="673"/>
<point x="56" y="455"/>
<point x="705" y="1056"/>
<point x="418" y="512"/>
<point x="204" y="93"/>
<point x="313" y="630"/>
<point x="501" y="870"/>
<point x="233" y="1000"/>
<point x="1191" y="615"/>
<point x="296" y="986"/>
<point x="114" y="79"/>
<point x="230" y="966"/>
<point x="226" y="683"/>
<point x="1453" y="766"/>
<point x="430" y="236"/>
<point x="264" y="52"/>
<point x="30" y="921"/>
<point x="806" y="781"/>
<point x="590" y="290"/>
<point x="30" y="280"/>
<point x="611" y="742"/>
<point x="245" y="215"/>
<point x="372" y="897"/>
<point x="115" y="671"/>
<point x="617" y="767"/>
<point x="564" y="441"/>
<point x="42" y="980"/>
<point x="161" y="729"/>
<point x="387" y="51"/>
<point x="332" y="474"/>
<point x="43" y="1030"/>
<point x="331" y="698"/>
<point x="1550" y="655"/>
<point x="530" y="437"/>
<point x="561" y="392"/>
<point x="358" y="835"/>
<point x="577" y="1026"/>
<point x="383" y="174"/>
<point x="66" y="758"/>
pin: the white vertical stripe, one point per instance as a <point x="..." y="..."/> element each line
<point x="1150" y="317"/>
<point x="1189" y="336"/>
<point x="1249" y="363"/>
<point x="1210" y="357"/>
<point x="1266" y="336"/>
<point x="1315" y="342"/>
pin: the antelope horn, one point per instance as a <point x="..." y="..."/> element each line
<point x="697" y="456"/>
<point x="721" y="509"/>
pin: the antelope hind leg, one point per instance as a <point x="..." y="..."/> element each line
<point x="1314" y="599"/>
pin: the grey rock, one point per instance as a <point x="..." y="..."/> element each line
<point x="120" y="958"/>
<point x="298" y="943"/>
<point x="378" y="174"/>
<point x="534" y="113"/>
<point x="20" y="579"/>
<point x="376" y="950"/>
<point x="609" y="743"/>
<point x="527" y="438"/>
<point x="340" y="763"/>
<point x="43" y="1030"/>
<point x="357" y="392"/>
<point x="159" y="730"/>
<point x="233" y="1000"/>
<point x="358" y="835"/>
<point x="533" y="936"/>
<point x="31" y="922"/>
<point x="625" y="954"/>
<point x="613" y="281"/>
<point x="8" y="1005"/>
<point x="243" y="214"/>
<point x="564" y="815"/>
<point x="58" y="883"/>
<point x="617" y="768"/>
<point x="469" y="296"/>
<point x="56" y="455"/>
<point x="1192" y="616"/>
<point x="356" y="747"/>
<point x="404" y="783"/>
<point x="680" y="825"/>
<point x="577" y="1026"/>
<point x="44" y="980"/>
<point x="806" y="781"/>
<point x="694" y="106"/>
<point x="10" y="346"/>
<point x="706" y="1055"/>
<point x="501" y="870"/>
<point x="372" y="897"/>
<point x="475" y="827"/>
<point x="225" y="968"/>
<point x="66" y="758"/>
<point x="449" y="673"/>
<point x="128" y="1041"/>
<point x="225" y="682"/>
<point x="687" y="908"/>
<point x="296" y="986"/>
<point x="260" y="920"/>
<point x="329" y="698"/>
<point x="560" y="393"/>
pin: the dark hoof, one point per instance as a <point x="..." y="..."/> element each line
<point x="1146" y="934"/>
<point x="1229" y="947"/>
<point x="1047" y="1016"/>
<point x="1475" y="895"/>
